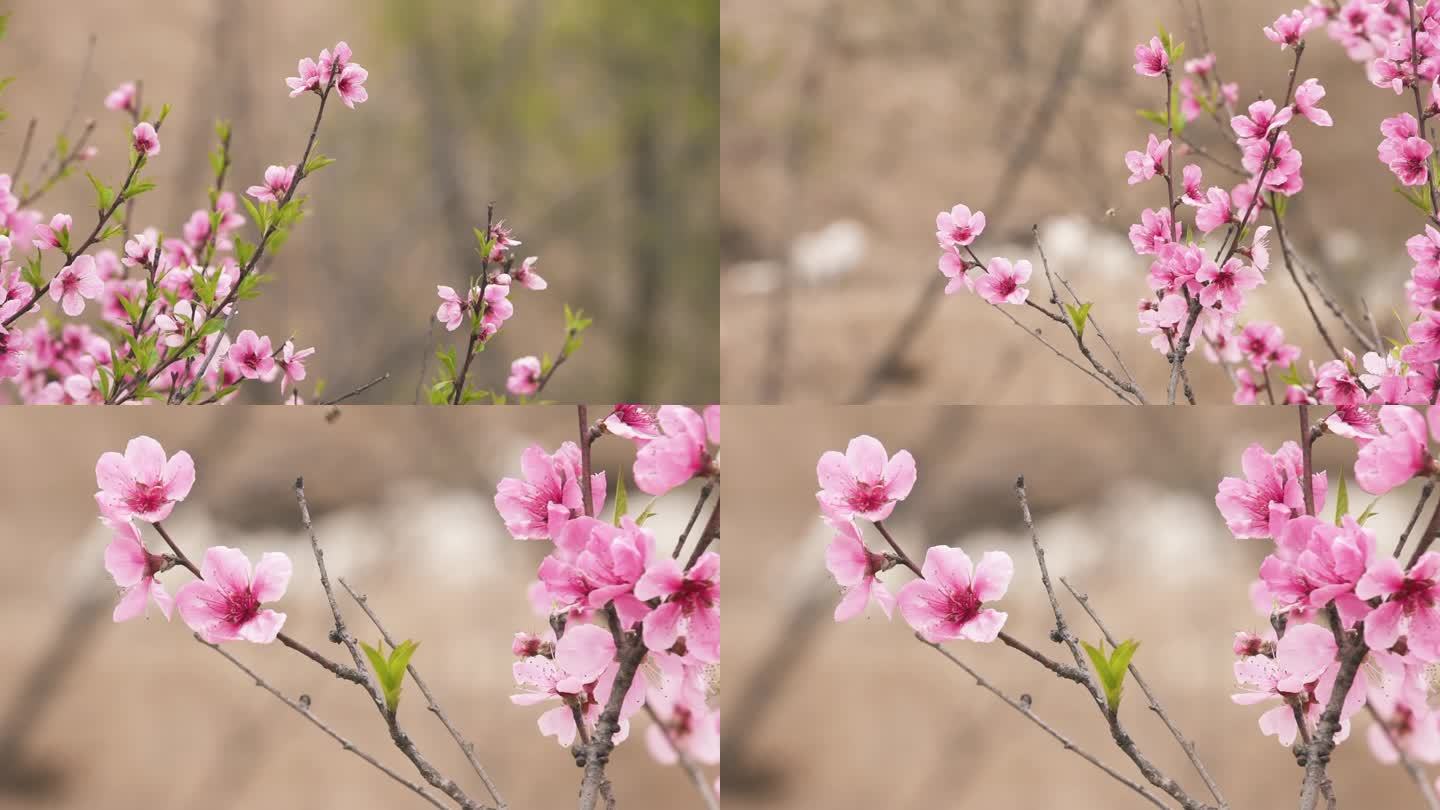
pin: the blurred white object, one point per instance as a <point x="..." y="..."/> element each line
<point x="1077" y="247"/>
<point x="816" y="258"/>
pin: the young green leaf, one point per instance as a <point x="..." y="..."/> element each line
<point x="622" y="499"/>
<point x="1342" y="502"/>
<point x="1111" y="671"/>
<point x="1079" y="316"/>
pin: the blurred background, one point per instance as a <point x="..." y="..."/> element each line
<point x="861" y="715"/>
<point x="849" y="125"/>
<point x="402" y="500"/>
<point x="591" y="124"/>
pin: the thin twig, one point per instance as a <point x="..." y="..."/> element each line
<point x="694" y="516"/>
<point x="362" y="389"/>
<point x="1414" y="516"/>
<point x="466" y="746"/>
<point x="1024" y="709"/>
<point x="303" y="709"/>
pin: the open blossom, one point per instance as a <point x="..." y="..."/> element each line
<point x="51" y="236"/>
<point x="635" y="422"/>
<point x="224" y="605"/>
<point x="74" y="283"/>
<point x="452" y="308"/>
<point x="1400" y="699"/>
<point x="596" y="564"/>
<point x="539" y="506"/>
<point x="1270" y="495"/>
<point x="1154" y="230"/>
<point x="948" y="603"/>
<point x="1226" y="286"/>
<point x="277" y="182"/>
<point x="1304" y="669"/>
<point x="134" y="569"/>
<point x="958" y="226"/>
<point x="292" y="364"/>
<point x="1262" y="120"/>
<point x="956" y="268"/>
<point x="1003" y="283"/>
<point x="351" y="85"/>
<point x="1307" y="103"/>
<point x="680" y="453"/>
<point x="143" y="483"/>
<point x="1288" y="29"/>
<point x="122" y="98"/>
<point x="1263" y="344"/>
<point x="146" y="140"/>
<point x="583" y="670"/>
<point x="1279" y="162"/>
<point x="1191" y="177"/>
<point x="854" y="567"/>
<point x="1147" y="164"/>
<point x="253" y="356"/>
<point x="1151" y="59"/>
<point x="692" y="596"/>
<point x="1400" y="454"/>
<point x="524" y="377"/>
<point x="1317" y="563"/>
<point x="1410" y="161"/>
<point x="526" y="276"/>
<point x="1411" y="606"/>
<point x="309" y="80"/>
<point x="864" y="481"/>
<point x="692" y="726"/>
<point x="1214" y="212"/>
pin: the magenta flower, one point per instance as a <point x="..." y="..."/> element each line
<point x="1399" y="455"/>
<point x="863" y="482"/>
<point x="958" y="226"/>
<point x="1226" y="286"/>
<point x="635" y="422"/>
<point x="1303" y="669"/>
<point x="854" y="567"/>
<point x="538" y="507"/>
<point x="1317" y="563"/>
<point x="680" y="453"/>
<point x="310" y="79"/>
<point x="949" y="602"/>
<point x="49" y="236"/>
<point x="452" y="308"/>
<point x="277" y="183"/>
<point x="1307" y="103"/>
<point x="1003" y="284"/>
<point x="1263" y="344"/>
<point x="524" y="376"/>
<point x="225" y="604"/>
<point x="74" y="283"/>
<point x="956" y="268"/>
<point x="1147" y="164"/>
<point x="134" y="571"/>
<point x="1214" y="212"/>
<point x="692" y="596"/>
<point x="583" y="670"/>
<point x="122" y="98"/>
<point x="253" y="356"/>
<point x="608" y="562"/>
<point x="1154" y="230"/>
<point x="1191" y="177"/>
<point x="526" y="276"/>
<point x="142" y="483"/>
<point x="351" y="85"/>
<point x="1261" y="504"/>
<point x="1263" y="120"/>
<point x="1411" y="606"/>
<point x="1288" y="29"/>
<point x="291" y="364"/>
<point x="1411" y="161"/>
<point x="145" y="140"/>
<point x="1151" y="59"/>
<point x="1280" y="162"/>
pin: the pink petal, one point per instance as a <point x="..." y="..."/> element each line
<point x="867" y="459"/>
<point x="272" y="576"/>
<point x="993" y="575"/>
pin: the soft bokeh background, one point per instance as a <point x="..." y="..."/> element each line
<point x="592" y="124"/>
<point x="94" y="714"/>
<point x="848" y="125"/>
<point x="862" y="715"/>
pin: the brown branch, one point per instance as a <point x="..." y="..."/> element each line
<point x="302" y="707"/>
<point x="594" y="785"/>
<point x="694" y="516"/>
<point x="1023" y="707"/>
<point x="586" y="437"/>
<point x="466" y="746"/>
<point x="1414" y="516"/>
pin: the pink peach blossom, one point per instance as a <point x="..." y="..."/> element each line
<point x="134" y="569"/>
<point x="143" y="483"/>
<point x="854" y="567"/>
<point x="1149" y="163"/>
<point x="862" y="482"/>
<point x="277" y="183"/>
<point x="634" y="422"/>
<point x="679" y="454"/>
<point x="1411" y="606"/>
<point x="145" y="140"/>
<point x="121" y="98"/>
<point x="539" y="506"/>
<point x="949" y="602"/>
<point x="692" y="596"/>
<point x="253" y="356"/>
<point x="1394" y="458"/>
<point x="224" y="605"/>
<point x="524" y="377"/>
<point x="1307" y="103"/>
<point x="526" y="276"/>
<point x="75" y="283"/>
<point x="1270" y="495"/>
<point x="1004" y="284"/>
<point x="958" y="226"/>
<point x="1151" y="59"/>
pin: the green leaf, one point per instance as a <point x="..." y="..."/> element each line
<point x="622" y="499"/>
<point x="647" y="513"/>
<point x="104" y="195"/>
<point x="1079" y="316"/>
<point x="1280" y="203"/>
<point x="1111" y="671"/>
<point x="390" y="672"/>
<point x="1342" y="502"/>
<point x="1369" y="511"/>
<point x="1152" y="116"/>
<point x="136" y="189"/>
<point x="317" y="163"/>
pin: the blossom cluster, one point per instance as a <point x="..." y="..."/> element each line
<point x="163" y="303"/>
<point x="605" y="586"/>
<point x="1327" y="584"/>
<point x="947" y="598"/>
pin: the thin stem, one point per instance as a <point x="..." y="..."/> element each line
<point x="697" y="776"/>
<point x="466" y="746"/>
<point x="358" y="391"/>
<point x="899" y="552"/>
<point x="709" y="535"/>
<point x="582" y="412"/>
<point x="1024" y="709"/>
<point x="1307" y="484"/>
<point x="302" y="707"/>
<point x="1414" y="516"/>
<point x="694" y="516"/>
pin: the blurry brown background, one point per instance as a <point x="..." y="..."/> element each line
<point x="140" y="715"/>
<point x="881" y="115"/>
<point x="861" y="715"/>
<point x="590" y="123"/>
